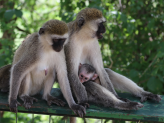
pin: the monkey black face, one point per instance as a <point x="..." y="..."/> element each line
<point x="101" y="30"/>
<point x="58" y="44"/>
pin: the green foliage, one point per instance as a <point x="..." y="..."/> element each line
<point x="133" y="43"/>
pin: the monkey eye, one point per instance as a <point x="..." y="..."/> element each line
<point x="85" y="78"/>
<point x="55" y="40"/>
<point x="81" y="75"/>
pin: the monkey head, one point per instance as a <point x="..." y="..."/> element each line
<point x="86" y="73"/>
<point x="93" y="20"/>
<point x="54" y="32"/>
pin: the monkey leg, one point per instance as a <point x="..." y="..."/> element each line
<point x="47" y="88"/>
<point x="100" y="95"/>
<point x="122" y="83"/>
<point x="24" y="92"/>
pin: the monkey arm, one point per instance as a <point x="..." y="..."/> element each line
<point x="18" y="72"/>
<point x="66" y="90"/>
<point x="122" y="83"/>
<point x="73" y="61"/>
<point x="96" y="60"/>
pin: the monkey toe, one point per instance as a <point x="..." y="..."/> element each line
<point x="59" y="102"/>
<point x="143" y="99"/>
<point x="148" y="95"/>
<point x="135" y="105"/>
<point x="56" y="101"/>
<point x="140" y="105"/>
<point x="124" y="99"/>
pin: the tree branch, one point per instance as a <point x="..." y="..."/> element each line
<point x="25" y="31"/>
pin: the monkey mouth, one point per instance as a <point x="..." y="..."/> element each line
<point x="57" y="49"/>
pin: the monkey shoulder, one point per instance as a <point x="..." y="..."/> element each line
<point x="28" y="50"/>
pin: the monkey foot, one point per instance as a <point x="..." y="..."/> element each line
<point x="28" y="101"/>
<point x="13" y="105"/>
<point x="78" y="110"/>
<point x="129" y="106"/>
<point x="124" y="99"/>
<point x="148" y="95"/>
<point x="86" y="105"/>
<point x="51" y="99"/>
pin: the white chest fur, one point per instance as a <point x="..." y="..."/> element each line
<point x="47" y="61"/>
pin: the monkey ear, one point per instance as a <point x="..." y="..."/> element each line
<point x="41" y="31"/>
<point x="81" y="22"/>
<point x="94" y="76"/>
<point x="80" y="65"/>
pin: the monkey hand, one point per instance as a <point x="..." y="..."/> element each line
<point x="51" y="99"/>
<point x="147" y="95"/>
<point x="78" y="110"/>
<point x="13" y="105"/>
<point x="28" y="101"/>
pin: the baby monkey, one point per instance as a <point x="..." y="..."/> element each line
<point x="100" y="95"/>
<point x="87" y="72"/>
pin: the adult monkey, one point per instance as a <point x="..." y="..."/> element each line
<point x="35" y="65"/>
<point x="83" y="47"/>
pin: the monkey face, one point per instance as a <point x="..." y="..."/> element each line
<point x="57" y="44"/>
<point x="100" y="31"/>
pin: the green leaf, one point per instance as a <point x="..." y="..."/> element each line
<point x="154" y="84"/>
<point x="18" y="13"/>
<point x="133" y="73"/>
<point x="123" y="18"/>
<point x="161" y="78"/>
<point x="9" y="14"/>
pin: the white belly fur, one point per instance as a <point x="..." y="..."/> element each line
<point x="38" y="77"/>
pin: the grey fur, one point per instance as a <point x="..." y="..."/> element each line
<point x="96" y="94"/>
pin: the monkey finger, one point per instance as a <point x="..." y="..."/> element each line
<point x="143" y="99"/>
<point x="140" y="105"/>
<point x="80" y="114"/>
<point x="62" y="103"/>
<point x="75" y="112"/>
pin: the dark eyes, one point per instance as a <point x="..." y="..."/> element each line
<point x="84" y="78"/>
<point x="56" y="40"/>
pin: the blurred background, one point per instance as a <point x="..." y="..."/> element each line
<point x="133" y="44"/>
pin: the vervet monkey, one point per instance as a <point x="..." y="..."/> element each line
<point x="83" y="47"/>
<point x="36" y="62"/>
